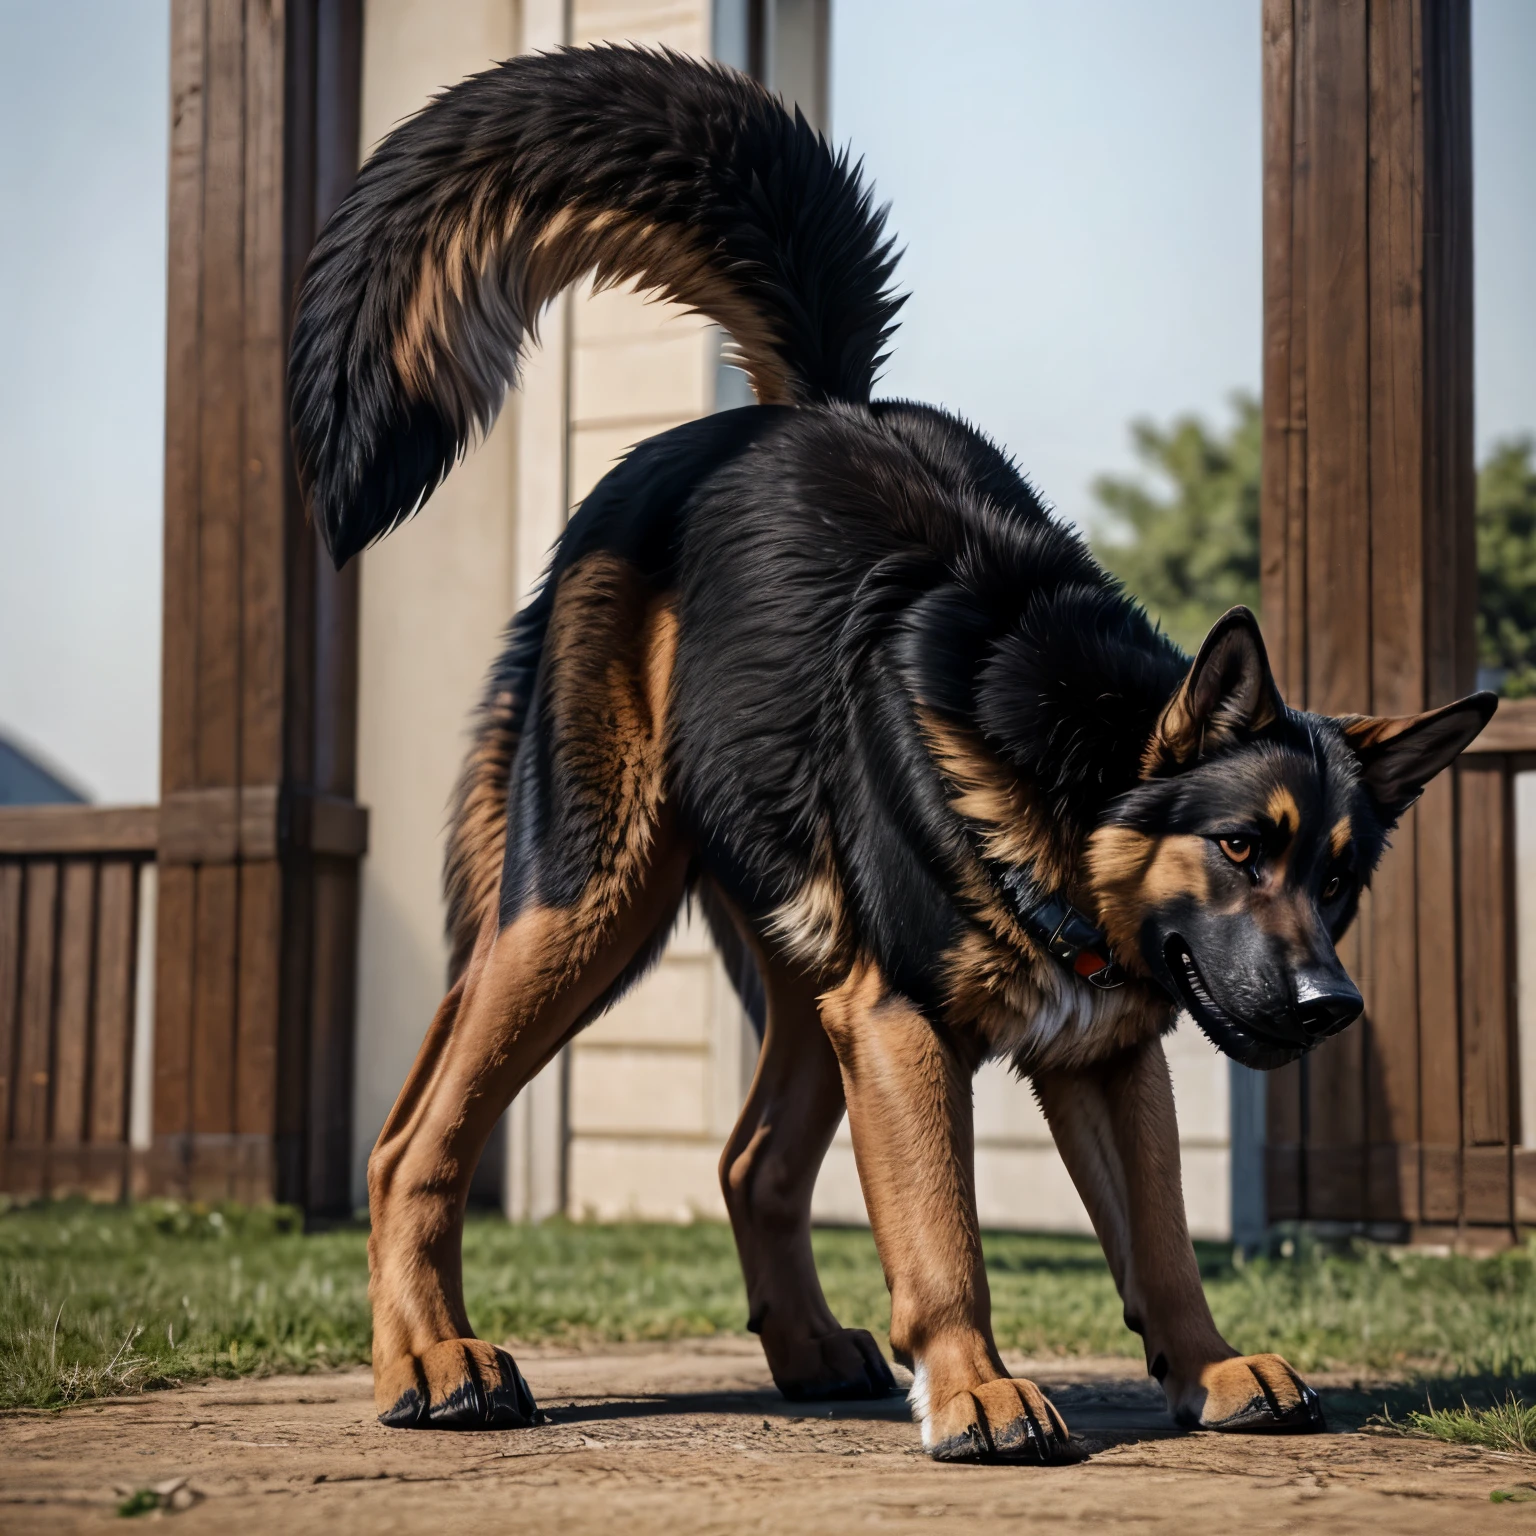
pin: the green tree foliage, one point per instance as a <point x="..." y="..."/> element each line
<point x="1190" y="550"/>
<point x="1191" y="555"/>
<point x="1506" y="567"/>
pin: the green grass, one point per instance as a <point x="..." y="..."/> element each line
<point x="97" y="1300"/>
<point x="1506" y="1425"/>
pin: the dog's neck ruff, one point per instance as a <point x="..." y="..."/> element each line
<point x="1064" y="933"/>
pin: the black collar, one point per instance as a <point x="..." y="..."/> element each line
<point x="1061" y="930"/>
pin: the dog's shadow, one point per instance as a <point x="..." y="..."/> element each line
<point x="1098" y="1414"/>
<point x="766" y="1404"/>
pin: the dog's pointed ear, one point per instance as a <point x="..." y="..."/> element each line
<point x="1400" y="754"/>
<point x="1228" y="690"/>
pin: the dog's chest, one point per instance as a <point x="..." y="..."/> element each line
<point x="1050" y="1018"/>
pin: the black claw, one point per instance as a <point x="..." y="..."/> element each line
<point x="507" y="1405"/>
<point x="1264" y="1416"/>
<point x="1311" y="1417"/>
<point x="510" y="1405"/>
<point x="968" y="1445"/>
<point x="1020" y="1439"/>
<point x="1024" y="1439"/>
<point x="463" y="1408"/>
<point x="409" y="1411"/>
<point x="1042" y="1444"/>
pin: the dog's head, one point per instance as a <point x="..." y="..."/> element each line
<point x="1234" y="867"/>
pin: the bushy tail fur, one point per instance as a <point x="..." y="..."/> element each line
<point x="475" y="213"/>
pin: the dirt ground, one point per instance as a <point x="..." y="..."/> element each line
<point x="693" y="1438"/>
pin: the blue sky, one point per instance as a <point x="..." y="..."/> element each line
<point x="83" y="115"/>
<point x="1078" y="191"/>
<point x="1077" y="188"/>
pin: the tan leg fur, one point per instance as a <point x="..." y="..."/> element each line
<point x="909" y="1107"/>
<point x="1117" y="1133"/>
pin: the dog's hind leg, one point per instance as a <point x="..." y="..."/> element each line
<point x="768" y="1173"/>
<point x="527" y="988"/>
<point x="909" y="1106"/>
<point x="1115" y="1128"/>
<point x="596" y="870"/>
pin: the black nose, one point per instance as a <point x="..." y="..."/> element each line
<point x="1325" y="1003"/>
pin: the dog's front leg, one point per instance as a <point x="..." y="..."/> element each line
<point x="909" y="1108"/>
<point x="1116" y="1130"/>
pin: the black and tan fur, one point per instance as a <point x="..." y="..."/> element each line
<point x="828" y="664"/>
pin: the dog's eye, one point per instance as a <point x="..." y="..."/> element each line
<point x="1238" y="849"/>
<point x="1331" y="889"/>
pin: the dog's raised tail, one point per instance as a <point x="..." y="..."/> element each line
<point x="471" y="216"/>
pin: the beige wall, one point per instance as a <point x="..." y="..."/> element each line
<point x="637" y="367"/>
<point x="1021" y="1182"/>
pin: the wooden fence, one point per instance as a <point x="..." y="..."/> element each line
<point x="70" y="882"/>
<point x="1412" y="1124"/>
<point x="1347" y="1140"/>
<point x="257" y="837"/>
<point x="1369" y="575"/>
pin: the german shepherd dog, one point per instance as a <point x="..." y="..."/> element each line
<point x="828" y="665"/>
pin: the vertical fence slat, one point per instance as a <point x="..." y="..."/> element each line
<point x="1439" y="1005"/>
<point x="112" y="1028"/>
<point x="176" y="913"/>
<point x="1283" y="504"/>
<point x="179" y="662"/>
<point x="213" y="1023"/>
<point x="1392" y="1022"/>
<point x="34" y="1056"/>
<point x="72" y="1024"/>
<point x="257" y="1052"/>
<point x="221" y="341"/>
<point x="1395" y="218"/>
<point x="1337" y="563"/>
<point x="68" y="936"/>
<point x="10" y="1000"/>
<point x="1481" y="789"/>
<point x="327" y="1172"/>
<point x="1486" y="893"/>
<point x="1450" y="477"/>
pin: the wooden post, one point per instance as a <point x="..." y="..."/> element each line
<point x="259" y="832"/>
<point x="1369" y="581"/>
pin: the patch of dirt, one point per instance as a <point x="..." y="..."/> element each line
<point x="693" y="1438"/>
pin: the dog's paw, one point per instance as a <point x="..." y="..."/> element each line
<point x="1001" y="1420"/>
<point x="1252" y="1394"/>
<point x="846" y="1364"/>
<point x="458" y="1384"/>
